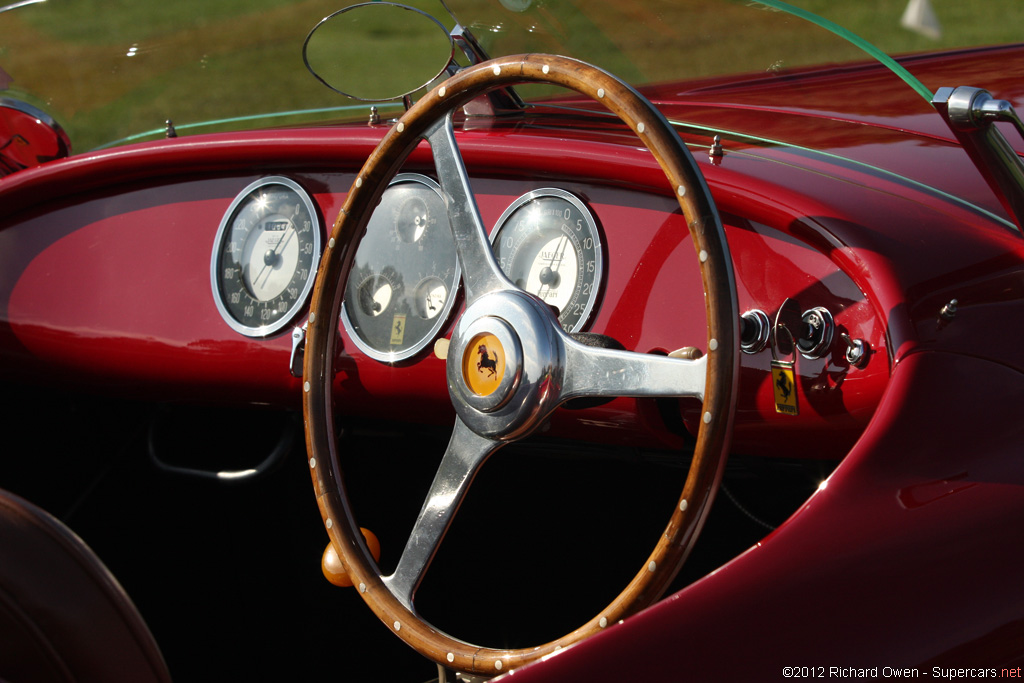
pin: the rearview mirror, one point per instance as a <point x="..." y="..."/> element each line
<point x="378" y="51"/>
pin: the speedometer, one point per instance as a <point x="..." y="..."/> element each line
<point x="265" y="255"/>
<point x="548" y="243"/>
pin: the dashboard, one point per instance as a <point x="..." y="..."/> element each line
<point x="212" y="276"/>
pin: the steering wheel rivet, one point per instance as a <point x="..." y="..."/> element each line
<point x="545" y="68"/>
<point x="329" y="523"/>
<point x="600" y="93"/>
<point x="359" y="182"/>
<point x="400" y="127"/>
<point x="312" y="317"/>
<point x="330" y="243"/>
<point x="640" y="128"/>
<point x="703" y="256"/>
<point x="362" y="588"/>
<point x="681" y="191"/>
<point x="451" y="657"/>
<point x="398" y="626"/>
<point x="305" y="387"/>
<point x="713" y="345"/>
<point x="603" y="622"/>
<point x="497" y="665"/>
<point x="652" y="566"/>
<point x="683" y="505"/>
<point x="442" y="91"/>
<point x="707" y="418"/>
<point x="312" y="463"/>
<point x="496" y="70"/>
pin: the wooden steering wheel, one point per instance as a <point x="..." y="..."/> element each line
<point x="544" y="366"/>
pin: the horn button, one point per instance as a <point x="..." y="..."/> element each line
<point x="505" y="365"/>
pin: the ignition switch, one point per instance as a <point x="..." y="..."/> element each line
<point x="815" y="337"/>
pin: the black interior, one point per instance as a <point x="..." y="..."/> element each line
<point x="227" y="574"/>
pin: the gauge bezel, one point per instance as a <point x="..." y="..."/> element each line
<point x="595" y="230"/>
<point x="260" y="331"/>
<point x="440" y="320"/>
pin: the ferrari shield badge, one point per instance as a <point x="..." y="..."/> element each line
<point x="398" y="330"/>
<point x="784" y="386"/>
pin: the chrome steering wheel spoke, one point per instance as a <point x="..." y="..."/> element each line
<point x="466" y="452"/>
<point x="598" y="372"/>
<point x="480" y="271"/>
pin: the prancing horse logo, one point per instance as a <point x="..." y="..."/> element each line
<point x="785" y="386"/>
<point x="486" y="362"/>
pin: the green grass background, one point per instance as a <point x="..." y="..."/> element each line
<point x="110" y="69"/>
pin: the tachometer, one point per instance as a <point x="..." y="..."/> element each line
<point x="548" y="243"/>
<point x="403" y="282"/>
<point x="265" y="255"/>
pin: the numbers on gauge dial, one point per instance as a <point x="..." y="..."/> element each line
<point x="548" y="243"/>
<point x="265" y="256"/>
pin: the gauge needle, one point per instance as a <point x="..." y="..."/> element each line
<point x="549" y="273"/>
<point x="270" y="258"/>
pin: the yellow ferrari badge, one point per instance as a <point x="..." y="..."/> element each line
<point x="398" y="330"/>
<point x="784" y="386"/>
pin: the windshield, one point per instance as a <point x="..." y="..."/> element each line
<point x="113" y="71"/>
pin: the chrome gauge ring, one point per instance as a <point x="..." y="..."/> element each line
<point x="549" y="244"/>
<point x="265" y="256"/>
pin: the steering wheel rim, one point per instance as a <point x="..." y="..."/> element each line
<point x="430" y="118"/>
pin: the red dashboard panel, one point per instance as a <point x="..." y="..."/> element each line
<point x="115" y="292"/>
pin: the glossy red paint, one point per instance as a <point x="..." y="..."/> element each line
<point x="158" y="305"/>
<point x="860" y="576"/>
<point x="825" y="250"/>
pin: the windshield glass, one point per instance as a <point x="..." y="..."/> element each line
<point x="112" y="71"/>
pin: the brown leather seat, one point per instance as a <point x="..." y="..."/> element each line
<point x="63" y="615"/>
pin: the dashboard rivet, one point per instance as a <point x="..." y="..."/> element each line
<point x="652" y="565"/>
<point x="683" y="505"/>
<point x="707" y="418"/>
<point x="713" y="345"/>
<point x="640" y="127"/>
<point x="600" y="93"/>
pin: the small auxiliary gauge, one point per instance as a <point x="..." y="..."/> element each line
<point x="405" y="276"/>
<point x="548" y="243"/>
<point x="265" y="256"/>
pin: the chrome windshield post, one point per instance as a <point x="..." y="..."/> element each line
<point x="970" y="113"/>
